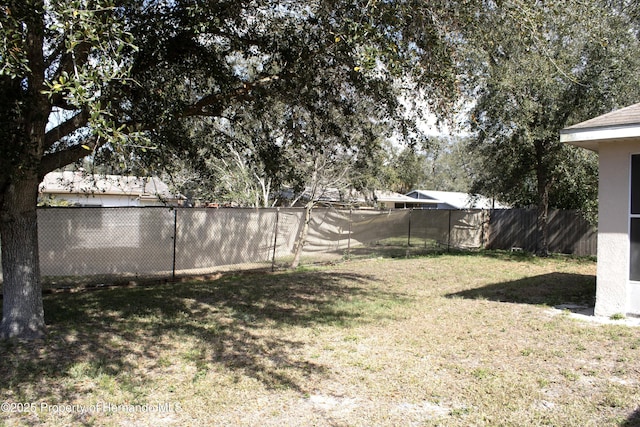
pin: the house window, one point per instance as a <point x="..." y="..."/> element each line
<point x="634" y="220"/>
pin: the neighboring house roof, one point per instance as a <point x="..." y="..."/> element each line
<point x="80" y="183"/>
<point x="393" y="197"/>
<point x="455" y="200"/>
<point x="614" y="126"/>
<point x="415" y="198"/>
<point x="353" y="197"/>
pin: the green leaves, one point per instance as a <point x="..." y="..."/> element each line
<point x="540" y="67"/>
<point x="13" y="55"/>
<point x="132" y="75"/>
<point x="92" y="46"/>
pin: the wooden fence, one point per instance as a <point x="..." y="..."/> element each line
<point x="569" y="232"/>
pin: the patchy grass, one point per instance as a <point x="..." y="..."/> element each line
<point x="460" y="339"/>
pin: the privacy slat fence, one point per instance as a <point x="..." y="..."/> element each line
<point x="113" y="242"/>
<point x="568" y="231"/>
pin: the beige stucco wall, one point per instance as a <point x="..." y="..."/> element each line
<point x="615" y="294"/>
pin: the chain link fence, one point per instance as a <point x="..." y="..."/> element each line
<point x="95" y="245"/>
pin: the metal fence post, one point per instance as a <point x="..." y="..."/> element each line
<point x="449" y="232"/>
<point x="409" y="229"/>
<point x="484" y="222"/>
<point x="425" y="217"/>
<point x="275" y="240"/>
<point x="175" y="238"/>
<point x="349" y="235"/>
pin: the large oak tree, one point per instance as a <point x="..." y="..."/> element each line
<point x="123" y="80"/>
<point x="533" y="69"/>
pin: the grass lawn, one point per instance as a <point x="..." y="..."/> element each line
<point x="454" y="340"/>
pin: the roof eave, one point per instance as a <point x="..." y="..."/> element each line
<point x="591" y="138"/>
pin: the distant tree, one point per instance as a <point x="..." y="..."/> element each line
<point x="326" y="173"/>
<point x="239" y="163"/>
<point x="443" y="163"/>
<point x="250" y="157"/>
<point x="411" y="169"/>
<point x="450" y="164"/>
<point x="373" y="170"/>
<point x="532" y="69"/>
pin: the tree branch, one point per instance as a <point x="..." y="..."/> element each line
<point x="58" y="100"/>
<point x="201" y="108"/>
<point x="53" y="161"/>
<point x="66" y="128"/>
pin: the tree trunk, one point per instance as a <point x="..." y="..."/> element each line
<point x="302" y="237"/>
<point x="542" y="246"/>
<point x="543" y="183"/>
<point x="22" y="310"/>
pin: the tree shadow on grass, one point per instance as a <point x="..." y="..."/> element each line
<point x="553" y="289"/>
<point x="238" y="322"/>
<point x="633" y="420"/>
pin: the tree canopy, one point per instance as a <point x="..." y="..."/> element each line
<point x="126" y="81"/>
<point x="533" y="69"/>
<point x="277" y="86"/>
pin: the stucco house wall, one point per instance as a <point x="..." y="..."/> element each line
<point x="615" y="137"/>
<point x="614" y="292"/>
